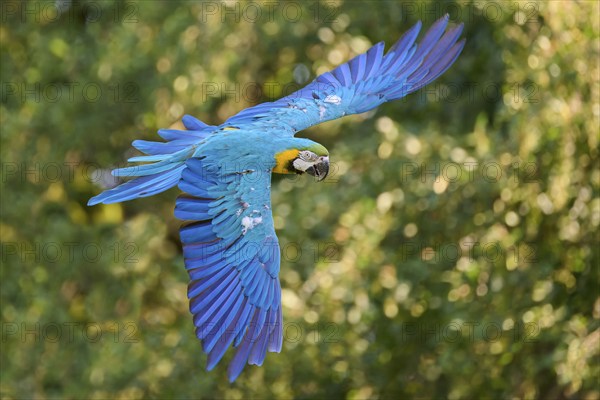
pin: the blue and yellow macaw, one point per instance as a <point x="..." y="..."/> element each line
<point x="230" y="247"/>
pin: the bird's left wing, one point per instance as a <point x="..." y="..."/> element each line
<point x="232" y="256"/>
<point x="364" y="82"/>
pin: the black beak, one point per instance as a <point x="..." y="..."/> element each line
<point x="320" y="169"/>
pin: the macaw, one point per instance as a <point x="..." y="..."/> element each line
<point x="230" y="247"/>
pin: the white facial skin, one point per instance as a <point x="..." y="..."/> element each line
<point x="307" y="159"/>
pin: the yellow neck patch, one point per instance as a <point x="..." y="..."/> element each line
<point x="283" y="160"/>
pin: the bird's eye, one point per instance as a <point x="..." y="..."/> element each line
<point x="306" y="155"/>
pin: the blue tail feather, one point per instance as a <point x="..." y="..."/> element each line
<point x="166" y="163"/>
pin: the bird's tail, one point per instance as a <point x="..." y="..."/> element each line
<point x="166" y="162"/>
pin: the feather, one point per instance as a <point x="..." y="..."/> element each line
<point x="192" y="123"/>
<point x="230" y="248"/>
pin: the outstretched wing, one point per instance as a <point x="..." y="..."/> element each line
<point x="365" y="82"/>
<point x="231" y="253"/>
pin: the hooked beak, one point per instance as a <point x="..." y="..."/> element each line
<point x="320" y="169"/>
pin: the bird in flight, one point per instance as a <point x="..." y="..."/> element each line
<point x="230" y="247"/>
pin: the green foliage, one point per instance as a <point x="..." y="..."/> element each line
<point x="453" y="253"/>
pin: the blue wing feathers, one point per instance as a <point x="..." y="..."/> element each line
<point x="192" y="189"/>
<point x="399" y="63"/>
<point x="232" y="316"/>
<point x="197" y="273"/>
<point x="221" y="324"/>
<point x="366" y="81"/>
<point x="442" y="46"/>
<point x="263" y="291"/>
<point x="199" y="170"/>
<point x="200" y="231"/>
<point x="190" y="203"/>
<point x="243" y="323"/>
<point x="259" y="350"/>
<point x="221" y="310"/>
<point x="191" y="215"/>
<point x="256" y="340"/>
<point x="198" y="286"/>
<point x="233" y="266"/>
<point x="192" y="123"/>
<point x="229" y="243"/>
<point x="220" y="346"/>
<point x="445" y="62"/>
<point x="213" y="297"/>
<point x="249" y="275"/>
<point x="276" y="337"/>
<point x="200" y="262"/>
<point x="273" y="327"/>
<point x="374" y="58"/>
<point x="434" y="33"/>
<point x="357" y="68"/>
<point x="241" y="356"/>
<point x="342" y="73"/>
<point x="231" y="231"/>
<point x="206" y="251"/>
<point x="259" y="280"/>
<point x="276" y="303"/>
<point x="407" y="39"/>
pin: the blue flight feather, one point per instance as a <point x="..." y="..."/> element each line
<point x="230" y="247"/>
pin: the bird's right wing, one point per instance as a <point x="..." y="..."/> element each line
<point x="365" y="82"/>
<point x="232" y="256"/>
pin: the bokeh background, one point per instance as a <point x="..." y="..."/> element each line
<point x="453" y="252"/>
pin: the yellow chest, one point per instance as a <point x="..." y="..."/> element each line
<point x="283" y="161"/>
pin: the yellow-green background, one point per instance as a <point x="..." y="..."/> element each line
<point x="372" y="319"/>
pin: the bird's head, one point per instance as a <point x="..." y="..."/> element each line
<point x="310" y="157"/>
